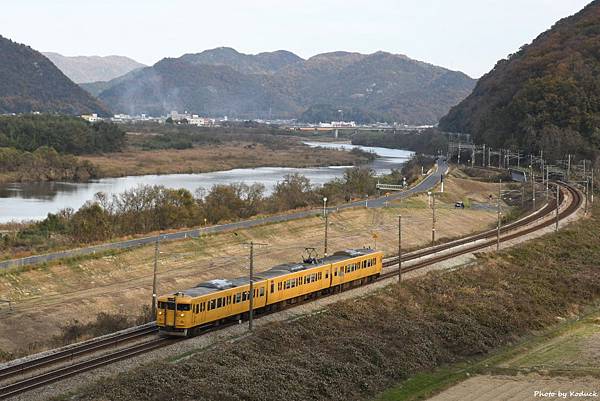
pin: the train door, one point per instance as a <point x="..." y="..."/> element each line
<point x="169" y="312"/>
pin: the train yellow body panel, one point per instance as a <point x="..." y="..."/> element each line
<point x="219" y="300"/>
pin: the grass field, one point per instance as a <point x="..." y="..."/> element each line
<point x="48" y="297"/>
<point x="218" y="157"/>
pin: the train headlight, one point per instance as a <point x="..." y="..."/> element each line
<point x="160" y="313"/>
<point x="182" y="315"/>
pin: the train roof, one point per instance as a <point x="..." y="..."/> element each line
<point x="216" y="285"/>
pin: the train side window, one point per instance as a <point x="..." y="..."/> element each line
<point x="326" y="274"/>
<point x="211" y="304"/>
<point x="202" y="306"/>
<point x="228" y="299"/>
<point x="364" y="264"/>
<point x="219" y="302"/>
<point x="335" y="272"/>
<point x="272" y="287"/>
<point x="320" y="275"/>
<point x="279" y="286"/>
<point x="262" y="291"/>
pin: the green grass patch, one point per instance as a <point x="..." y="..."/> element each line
<point x="425" y="385"/>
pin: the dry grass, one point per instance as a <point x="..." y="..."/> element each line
<point x="47" y="297"/>
<point x="356" y="348"/>
<point x="509" y="388"/>
<point x="208" y="158"/>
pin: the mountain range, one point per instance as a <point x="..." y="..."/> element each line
<point x="367" y="87"/>
<point x="83" y="69"/>
<point x="546" y="96"/>
<point x="30" y="82"/>
<point x="280" y="84"/>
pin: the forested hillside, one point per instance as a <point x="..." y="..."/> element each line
<point x="30" y="82"/>
<point x="42" y="147"/>
<point x="545" y="96"/>
<point x="375" y="87"/>
<point x="65" y="134"/>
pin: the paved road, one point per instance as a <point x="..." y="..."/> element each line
<point x="429" y="182"/>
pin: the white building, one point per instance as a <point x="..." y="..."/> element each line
<point x="91" y="117"/>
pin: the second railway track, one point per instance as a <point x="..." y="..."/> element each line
<point x="37" y="372"/>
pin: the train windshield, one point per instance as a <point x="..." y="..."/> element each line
<point x="183" y="306"/>
<point x="166" y="305"/>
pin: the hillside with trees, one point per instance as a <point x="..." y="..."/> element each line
<point x="380" y="86"/>
<point x="70" y="135"/>
<point x="29" y="82"/>
<point x="545" y="96"/>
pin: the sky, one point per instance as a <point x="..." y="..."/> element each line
<point x="465" y="35"/>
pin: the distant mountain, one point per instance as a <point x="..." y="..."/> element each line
<point x="30" y="82"/>
<point x="84" y="69"/>
<point x="262" y="63"/>
<point x="280" y="84"/>
<point x="546" y="96"/>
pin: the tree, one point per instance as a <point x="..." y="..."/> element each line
<point x="91" y="223"/>
<point x="293" y="192"/>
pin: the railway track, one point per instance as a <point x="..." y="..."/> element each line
<point x="40" y="370"/>
<point x="571" y="208"/>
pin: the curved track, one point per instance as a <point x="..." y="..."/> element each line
<point x="32" y="370"/>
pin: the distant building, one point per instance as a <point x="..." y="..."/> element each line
<point x="91" y="117"/>
<point x="338" y="124"/>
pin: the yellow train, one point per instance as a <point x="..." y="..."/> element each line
<point x="185" y="312"/>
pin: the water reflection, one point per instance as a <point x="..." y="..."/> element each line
<point x="31" y="201"/>
<point x="37" y="190"/>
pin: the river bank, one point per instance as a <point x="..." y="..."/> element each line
<point x="33" y="201"/>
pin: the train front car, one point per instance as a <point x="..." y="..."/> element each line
<point x="174" y="314"/>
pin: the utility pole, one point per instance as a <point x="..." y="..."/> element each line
<point x="483" y="157"/>
<point x="326" y="232"/>
<point x="326" y="215"/>
<point x="547" y="187"/>
<point x="433" y="220"/>
<point x="557" y="204"/>
<point x="251" y="307"/>
<point x="586" y="196"/>
<point x="533" y="186"/>
<point x="156" y="253"/>
<point x="592" y="185"/>
<point x="569" y="168"/>
<point x="498" y="226"/>
<point x="399" y="247"/>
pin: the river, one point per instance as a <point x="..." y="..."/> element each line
<point x="33" y="201"/>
